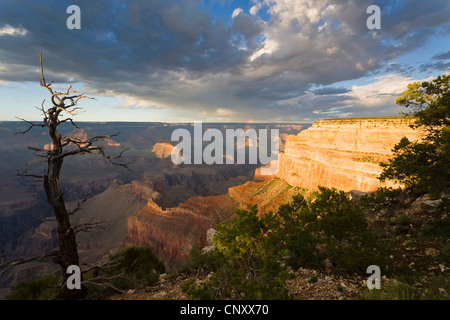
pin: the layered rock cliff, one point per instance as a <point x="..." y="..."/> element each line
<point x="342" y="153"/>
<point x="174" y="231"/>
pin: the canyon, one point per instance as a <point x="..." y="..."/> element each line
<point x="113" y="194"/>
<point x="170" y="208"/>
<point x="342" y="154"/>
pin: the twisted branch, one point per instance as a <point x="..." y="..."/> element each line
<point x="8" y="265"/>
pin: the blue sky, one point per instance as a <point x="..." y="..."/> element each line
<point x="221" y="60"/>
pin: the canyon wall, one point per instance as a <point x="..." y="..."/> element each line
<point x="174" y="231"/>
<point x="343" y="153"/>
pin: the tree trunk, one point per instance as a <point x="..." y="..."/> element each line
<point x="66" y="234"/>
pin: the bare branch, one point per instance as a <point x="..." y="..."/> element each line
<point x="32" y="125"/>
<point x="38" y="149"/>
<point x="8" y="265"/>
<point x="74" y="211"/>
<point x="71" y="121"/>
<point x="42" y="68"/>
<point x="78" y="97"/>
<point x="26" y="174"/>
<point x="111" y="159"/>
<point x="45" y="113"/>
<point x="96" y="138"/>
<point x="43" y="82"/>
<point x="80" y="150"/>
<point x="104" y="278"/>
<point x="79" y="204"/>
<point x="86" y="146"/>
<point x="103" y="266"/>
<point x="103" y="284"/>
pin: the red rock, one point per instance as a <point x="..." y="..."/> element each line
<point x="172" y="232"/>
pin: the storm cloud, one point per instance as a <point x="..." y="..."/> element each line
<point x="176" y="55"/>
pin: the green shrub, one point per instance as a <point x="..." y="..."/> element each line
<point x="339" y="218"/>
<point x="302" y="248"/>
<point x="44" y="288"/>
<point x="403" y="220"/>
<point x="331" y="227"/>
<point x="401" y="224"/>
<point x="404" y="273"/>
<point x="248" y="266"/>
<point x="199" y="259"/>
<point x="437" y="289"/>
<point x="437" y="228"/>
<point x="387" y="199"/>
<point x="131" y="268"/>
<point x="445" y="254"/>
<point x="252" y="253"/>
<point x="398" y="291"/>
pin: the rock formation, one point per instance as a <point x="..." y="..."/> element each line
<point x="173" y="232"/>
<point x="162" y="150"/>
<point x="342" y="153"/>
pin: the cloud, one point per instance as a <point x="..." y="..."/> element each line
<point x="217" y="114"/>
<point x="330" y="90"/>
<point x="132" y="102"/>
<point x="176" y="55"/>
<point x="236" y="12"/>
<point x="443" y="56"/>
<point x="373" y="99"/>
<point x="439" y="62"/>
<point x="382" y="92"/>
<point x="431" y="67"/>
<point x="246" y="25"/>
<point x="335" y="112"/>
<point x="12" y="31"/>
<point x="254" y="9"/>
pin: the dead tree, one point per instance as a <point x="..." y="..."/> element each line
<point x="64" y="104"/>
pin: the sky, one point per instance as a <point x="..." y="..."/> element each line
<point x="221" y="60"/>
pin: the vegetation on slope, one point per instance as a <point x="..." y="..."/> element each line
<point x="255" y="258"/>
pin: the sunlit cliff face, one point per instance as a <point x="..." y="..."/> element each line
<point x="343" y="154"/>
